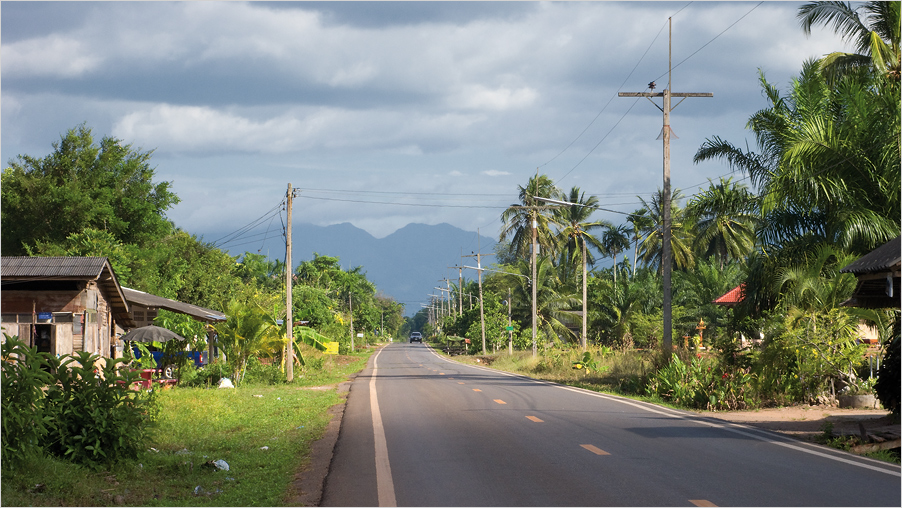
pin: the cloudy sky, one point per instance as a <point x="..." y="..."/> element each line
<point x="388" y="113"/>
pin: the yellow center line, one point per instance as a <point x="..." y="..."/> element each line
<point x="701" y="502"/>
<point x="461" y="383"/>
<point x="441" y="373"/>
<point x="594" y="450"/>
<point x="500" y="401"/>
<point x="476" y="390"/>
<point x="535" y="419"/>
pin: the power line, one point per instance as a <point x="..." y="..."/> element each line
<point x="423" y="205"/>
<point x="658" y="78"/>
<point x="237" y="234"/>
<point x="606" y="104"/>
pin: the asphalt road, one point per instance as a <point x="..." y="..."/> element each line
<point x="421" y="430"/>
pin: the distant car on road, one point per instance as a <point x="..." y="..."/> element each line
<point x="416" y="337"/>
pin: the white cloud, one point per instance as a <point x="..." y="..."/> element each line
<point x="501" y="98"/>
<point x="495" y="172"/>
<point x="180" y="128"/>
<point x="54" y="55"/>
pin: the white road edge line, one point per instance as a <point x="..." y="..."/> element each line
<point x="385" y="486"/>
<point x="730" y="427"/>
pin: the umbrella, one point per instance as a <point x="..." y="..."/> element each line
<point x="151" y="334"/>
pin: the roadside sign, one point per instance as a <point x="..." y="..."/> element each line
<point x="509" y="328"/>
<point x="331" y="348"/>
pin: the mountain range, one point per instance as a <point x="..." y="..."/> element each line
<point x="406" y="265"/>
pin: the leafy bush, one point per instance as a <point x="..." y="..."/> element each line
<point x="262" y="374"/>
<point x="23" y="422"/>
<point x="96" y="419"/>
<point x="701" y="383"/>
<point x="74" y="407"/>
<point x="209" y="375"/>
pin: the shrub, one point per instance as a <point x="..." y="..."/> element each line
<point x="262" y="374"/>
<point x="95" y="418"/>
<point x="23" y="422"/>
<point x="702" y="383"/>
<point x="71" y="408"/>
<point x="209" y="375"/>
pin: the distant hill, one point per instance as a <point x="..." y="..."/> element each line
<point x="405" y="265"/>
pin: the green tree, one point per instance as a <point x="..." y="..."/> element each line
<point x="829" y="163"/>
<point x="518" y="219"/>
<point x="83" y="185"/>
<point x="243" y="334"/>
<point x="724" y="218"/>
<point x="641" y="225"/>
<point x="575" y="235"/>
<point x="258" y="269"/>
<point x="651" y="248"/>
<point x="615" y="240"/>
<point x="554" y="304"/>
<point x="876" y="44"/>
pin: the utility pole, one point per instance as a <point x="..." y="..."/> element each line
<point x="289" y="367"/>
<point x="460" y="287"/>
<point x="533" y="215"/>
<point x="666" y="132"/>
<point x="510" y="341"/>
<point x="351" y="312"/>
<point x="479" y="269"/>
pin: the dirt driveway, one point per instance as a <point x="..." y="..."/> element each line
<point x="806" y="422"/>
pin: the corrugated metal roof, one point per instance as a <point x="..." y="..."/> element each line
<point x="51" y="266"/>
<point x="881" y="259"/>
<point x="133" y="296"/>
<point x="25" y="268"/>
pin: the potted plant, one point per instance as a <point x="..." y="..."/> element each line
<point x="859" y="394"/>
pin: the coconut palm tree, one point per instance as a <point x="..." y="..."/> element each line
<point x="615" y="240"/>
<point x="876" y="44"/>
<point x="828" y="169"/>
<point x="641" y="226"/>
<point x="575" y="234"/>
<point x="554" y="304"/>
<point x="680" y="238"/>
<point x="518" y="218"/>
<point x="724" y="218"/>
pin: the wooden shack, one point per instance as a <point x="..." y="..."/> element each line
<point x="63" y="304"/>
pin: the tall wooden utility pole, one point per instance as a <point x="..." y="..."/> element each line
<point x="289" y="367"/>
<point x="479" y="269"/>
<point x="666" y="133"/>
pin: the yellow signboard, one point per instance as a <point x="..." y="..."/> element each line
<point x="331" y="348"/>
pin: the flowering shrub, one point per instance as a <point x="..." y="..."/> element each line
<point x="701" y="383"/>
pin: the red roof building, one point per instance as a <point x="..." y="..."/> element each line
<point x="732" y="298"/>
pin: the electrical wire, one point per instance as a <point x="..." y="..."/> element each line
<point x="237" y="234"/>
<point x="608" y="103"/>
<point x="658" y="78"/>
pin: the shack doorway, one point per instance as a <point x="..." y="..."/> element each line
<point x="44" y="338"/>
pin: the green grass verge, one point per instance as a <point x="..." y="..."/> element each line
<point x="197" y="426"/>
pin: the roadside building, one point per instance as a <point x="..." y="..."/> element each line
<point x="63" y="304"/>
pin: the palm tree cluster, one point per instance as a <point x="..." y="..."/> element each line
<point x="823" y="189"/>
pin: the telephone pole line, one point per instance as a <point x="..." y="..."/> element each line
<point x="289" y="367"/>
<point x="666" y="132"/>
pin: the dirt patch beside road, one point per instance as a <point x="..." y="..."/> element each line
<point x="807" y="422"/>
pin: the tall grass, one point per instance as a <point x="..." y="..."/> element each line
<point x="608" y="371"/>
<point x="263" y="432"/>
